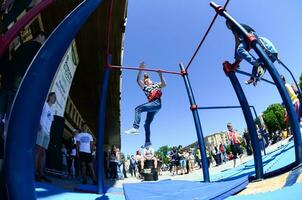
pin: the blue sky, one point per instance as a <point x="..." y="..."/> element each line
<point x="163" y="33"/>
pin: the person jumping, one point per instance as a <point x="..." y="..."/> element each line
<point x="153" y="93"/>
<point x="241" y="52"/>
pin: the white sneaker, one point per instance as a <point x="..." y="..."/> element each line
<point x="133" y="131"/>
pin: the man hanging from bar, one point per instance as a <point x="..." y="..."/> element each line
<point x="153" y="93"/>
<point x="242" y="52"/>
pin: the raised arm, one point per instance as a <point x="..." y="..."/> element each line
<point x="139" y="75"/>
<point x="162" y="79"/>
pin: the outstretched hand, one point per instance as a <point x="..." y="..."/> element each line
<point x="142" y="65"/>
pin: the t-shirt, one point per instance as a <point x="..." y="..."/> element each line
<point x="148" y="89"/>
<point x="232" y="137"/>
<point x="149" y="153"/>
<point x="46" y="117"/>
<point x="84" y="139"/>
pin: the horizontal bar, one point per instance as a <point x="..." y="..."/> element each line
<point x="218" y="107"/>
<point x="144" y="69"/>
<point x="225" y="107"/>
<point x="248" y="74"/>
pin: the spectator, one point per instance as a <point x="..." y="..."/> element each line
<point x="120" y="168"/>
<point x="132" y="167"/>
<point x="139" y="160"/>
<point x="182" y="161"/>
<point x="159" y="166"/>
<point x="198" y="157"/>
<point x="43" y="136"/>
<point x="74" y="167"/>
<point x="173" y="160"/>
<point x="113" y="162"/>
<point x="148" y="154"/>
<point x="191" y="161"/>
<point x="234" y="141"/>
<point x="247" y="139"/>
<point x="293" y="96"/>
<point x="222" y="149"/>
<point x="85" y="149"/>
<point x="64" y="158"/>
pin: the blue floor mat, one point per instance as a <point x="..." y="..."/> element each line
<point x="272" y="161"/>
<point x="174" y="189"/>
<point x="47" y="191"/>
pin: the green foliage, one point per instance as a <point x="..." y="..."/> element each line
<point x="228" y="149"/>
<point x="162" y="153"/>
<point x="273" y="117"/>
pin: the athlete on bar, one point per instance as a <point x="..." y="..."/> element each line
<point x="153" y="93"/>
<point x="241" y="52"/>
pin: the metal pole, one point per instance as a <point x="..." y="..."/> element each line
<point x="201" y="143"/>
<point x="101" y="129"/>
<point x="250" y="123"/>
<point x="294" y="123"/>
<point x="225" y="107"/>
<point x="26" y="110"/>
<point x="249" y="74"/>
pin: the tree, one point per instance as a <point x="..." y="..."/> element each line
<point x="273" y="117"/>
<point x="162" y="153"/>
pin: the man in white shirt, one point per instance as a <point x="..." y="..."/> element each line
<point x="148" y="154"/>
<point x="85" y="149"/>
<point x="43" y="136"/>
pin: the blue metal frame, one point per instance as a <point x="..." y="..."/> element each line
<point x="249" y="74"/>
<point x="226" y="107"/>
<point x="232" y="107"/>
<point x="101" y="129"/>
<point x="201" y="143"/>
<point x="250" y="124"/>
<point x="294" y="123"/>
<point x="30" y="98"/>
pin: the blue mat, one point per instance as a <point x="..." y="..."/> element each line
<point x="272" y="161"/>
<point x="47" y="191"/>
<point x="173" y="189"/>
<point x="87" y="188"/>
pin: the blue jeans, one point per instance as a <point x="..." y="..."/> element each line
<point x="151" y="108"/>
<point x="244" y="54"/>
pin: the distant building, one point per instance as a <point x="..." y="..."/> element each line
<point x="212" y="140"/>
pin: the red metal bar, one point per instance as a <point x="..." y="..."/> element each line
<point x="145" y="69"/>
<point x="205" y="36"/>
<point x="8" y="37"/>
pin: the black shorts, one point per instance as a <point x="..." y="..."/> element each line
<point x="86" y="157"/>
<point x="236" y="150"/>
